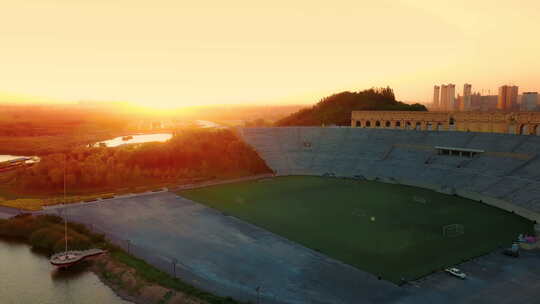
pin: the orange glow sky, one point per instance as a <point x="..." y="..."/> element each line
<point x="174" y="53"/>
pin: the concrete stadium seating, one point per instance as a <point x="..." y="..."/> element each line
<point x="529" y="170"/>
<point x="329" y="148"/>
<point x="263" y="139"/>
<point x="494" y="142"/>
<point x="531" y="145"/>
<point x="448" y="139"/>
<point x="507" y="171"/>
<point x="506" y="186"/>
<point x="493" y="165"/>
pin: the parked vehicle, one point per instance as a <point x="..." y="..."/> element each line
<point x="512" y="251"/>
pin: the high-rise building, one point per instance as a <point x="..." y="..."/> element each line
<point x="447" y="101"/>
<point x="451" y="97"/>
<point x="466" y="100"/>
<point x="436" y="90"/>
<point x="443" y="99"/>
<point x="460" y="106"/>
<point x="529" y="101"/>
<point x="507" y="98"/>
<point x="483" y="102"/>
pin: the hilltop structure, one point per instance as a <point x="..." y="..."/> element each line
<point x="524" y="123"/>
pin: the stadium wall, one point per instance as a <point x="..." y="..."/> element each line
<point x="506" y="175"/>
<point x="526" y="123"/>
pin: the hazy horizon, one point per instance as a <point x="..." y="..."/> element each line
<point x="167" y="54"/>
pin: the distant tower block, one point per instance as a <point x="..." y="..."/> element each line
<point x="447" y="101"/>
<point x="529" y="101"/>
<point x="467" y="92"/>
<point x="443" y="103"/>
<point x="436" y="90"/>
<point x="451" y="97"/>
<point x="507" y="100"/>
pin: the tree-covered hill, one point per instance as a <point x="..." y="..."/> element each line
<point x="336" y="109"/>
<point x="189" y="154"/>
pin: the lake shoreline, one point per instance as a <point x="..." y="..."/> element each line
<point x="129" y="277"/>
<point x="101" y="266"/>
<point x="124" y="287"/>
<point x="130" y="139"/>
<point x="51" y="285"/>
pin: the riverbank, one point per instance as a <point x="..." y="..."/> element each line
<point x="131" y="278"/>
<point x="128" y="285"/>
<point x="27" y="277"/>
<point x="186" y="158"/>
<point x="19" y="205"/>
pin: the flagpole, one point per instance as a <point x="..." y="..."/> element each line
<point x="65" y="211"/>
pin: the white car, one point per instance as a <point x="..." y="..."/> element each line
<point x="456" y="272"/>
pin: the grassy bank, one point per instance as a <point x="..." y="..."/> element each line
<point x="36" y="201"/>
<point x="127" y="274"/>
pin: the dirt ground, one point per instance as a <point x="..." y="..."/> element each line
<point x="125" y="282"/>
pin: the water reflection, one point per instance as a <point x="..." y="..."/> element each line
<point x="6" y="157"/>
<point x="27" y="277"/>
<point x="208" y="124"/>
<point x="136" y="139"/>
<point x="73" y="272"/>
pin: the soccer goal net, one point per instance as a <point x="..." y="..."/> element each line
<point x="419" y="199"/>
<point x="453" y="230"/>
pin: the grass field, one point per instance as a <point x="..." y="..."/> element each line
<point x="380" y="228"/>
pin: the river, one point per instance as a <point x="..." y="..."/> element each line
<point x="160" y="137"/>
<point x="136" y="139"/>
<point x="205" y="124"/>
<point x="4" y="157"/>
<point x="27" y="277"/>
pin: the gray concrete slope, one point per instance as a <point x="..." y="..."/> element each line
<point x="230" y="257"/>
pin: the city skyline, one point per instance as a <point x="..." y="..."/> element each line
<point x="507" y="99"/>
<point x="306" y="99"/>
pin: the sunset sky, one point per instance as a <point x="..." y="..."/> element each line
<point x="174" y="53"/>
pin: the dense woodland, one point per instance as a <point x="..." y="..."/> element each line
<point x="45" y="129"/>
<point x="189" y="154"/>
<point x="51" y="120"/>
<point x="336" y="109"/>
<point x="31" y="129"/>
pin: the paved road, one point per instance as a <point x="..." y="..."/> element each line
<point x="229" y="257"/>
<point x="494" y="278"/>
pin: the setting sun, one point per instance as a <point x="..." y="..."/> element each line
<point x="169" y="54"/>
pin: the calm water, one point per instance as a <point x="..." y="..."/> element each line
<point x="137" y="139"/>
<point x="208" y="124"/>
<point x="4" y="158"/>
<point x="27" y="277"/>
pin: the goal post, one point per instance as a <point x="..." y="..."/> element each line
<point x="419" y="199"/>
<point x="453" y="230"/>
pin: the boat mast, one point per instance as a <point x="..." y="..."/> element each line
<point x="65" y="210"/>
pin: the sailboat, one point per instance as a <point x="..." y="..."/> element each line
<point x="71" y="257"/>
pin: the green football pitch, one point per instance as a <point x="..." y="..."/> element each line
<point x="391" y="231"/>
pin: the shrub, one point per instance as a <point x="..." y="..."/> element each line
<point x="46" y="238"/>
